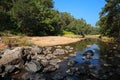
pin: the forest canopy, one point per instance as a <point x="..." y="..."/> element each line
<point x="39" y="18"/>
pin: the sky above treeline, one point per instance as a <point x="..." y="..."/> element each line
<point x="87" y="9"/>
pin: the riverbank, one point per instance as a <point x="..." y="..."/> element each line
<point x="41" y="41"/>
<point x="57" y="40"/>
<point x="66" y="62"/>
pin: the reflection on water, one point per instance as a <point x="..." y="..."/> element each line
<point x="105" y="58"/>
<point x="94" y="61"/>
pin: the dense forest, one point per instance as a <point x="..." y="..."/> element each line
<point x="39" y="18"/>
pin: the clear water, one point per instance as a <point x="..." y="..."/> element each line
<point x="95" y="61"/>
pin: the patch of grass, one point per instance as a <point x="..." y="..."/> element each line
<point x="69" y="34"/>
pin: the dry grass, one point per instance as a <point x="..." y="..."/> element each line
<point x="53" y="40"/>
<point x="43" y="41"/>
<point x="15" y="41"/>
<point x="107" y="39"/>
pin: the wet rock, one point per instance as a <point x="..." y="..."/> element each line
<point x="100" y="73"/>
<point x="59" y="52"/>
<point x="33" y="76"/>
<point x="71" y="78"/>
<point x="71" y="63"/>
<point x="88" y="54"/>
<point x="33" y="66"/>
<point x="50" y="68"/>
<point x="72" y="70"/>
<point x="82" y="69"/>
<point x="59" y="76"/>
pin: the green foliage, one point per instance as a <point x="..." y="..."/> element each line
<point x="67" y="33"/>
<point x="38" y="18"/>
<point x="78" y="25"/>
<point x="110" y="19"/>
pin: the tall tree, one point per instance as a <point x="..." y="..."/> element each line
<point x="33" y="16"/>
<point x="110" y="19"/>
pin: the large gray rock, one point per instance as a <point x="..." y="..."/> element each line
<point x="48" y="48"/>
<point x="100" y="73"/>
<point x="33" y="76"/>
<point x="59" y="52"/>
<point x="49" y="68"/>
<point x="11" y="55"/>
<point x="9" y="68"/>
<point x="33" y="66"/>
<point x="36" y="50"/>
<point x="59" y="76"/>
<point x="50" y="56"/>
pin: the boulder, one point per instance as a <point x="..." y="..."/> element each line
<point x="49" y="68"/>
<point x="33" y="66"/>
<point x="11" y="55"/>
<point x="36" y="50"/>
<point x="48" y="48"/>
<point x="9" y="68"/>
<point x="59" y="52"/>
<point x="71" y="63"/>
<point x="58" y="76"/>
<point x="50" y="56"/>
<point x="33" y="76"/>
<point x="59" y="47"/>
<point x="67" y="47"/>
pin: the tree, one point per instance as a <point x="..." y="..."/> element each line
<point x="110" y="19"/>
<point x="33" y="17"/>
<point x="7" y="23"/>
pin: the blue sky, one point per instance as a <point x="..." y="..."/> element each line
<point x="86" y="9"/>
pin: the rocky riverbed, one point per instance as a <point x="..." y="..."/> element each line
<point x="54" y="63"/>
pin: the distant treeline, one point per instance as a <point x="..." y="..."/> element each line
<point x="39" y="18"/>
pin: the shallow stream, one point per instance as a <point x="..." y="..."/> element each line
<point x="104" y="64"/>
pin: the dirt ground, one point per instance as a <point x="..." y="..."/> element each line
<point x="50" y="40"/>
<point x="53" y="40"/>
<point x="56" y="40"/>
